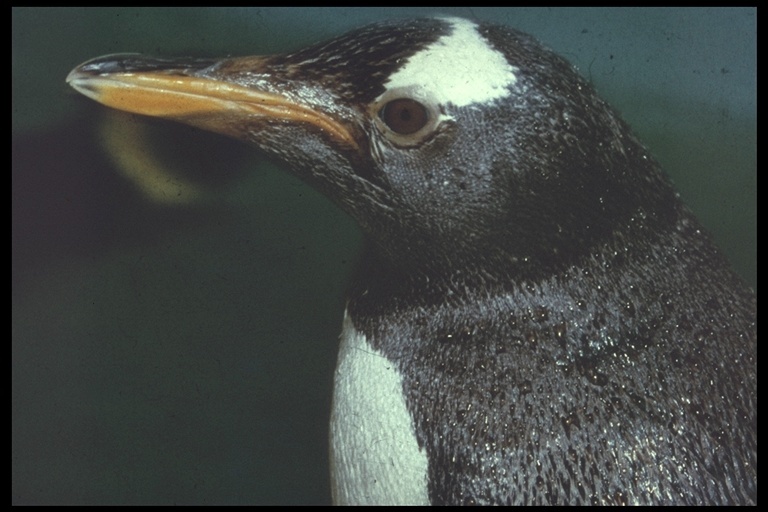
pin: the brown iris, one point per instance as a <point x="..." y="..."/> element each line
<point x="404" y="116"/>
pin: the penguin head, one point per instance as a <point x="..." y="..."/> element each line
<point x="450" y="142"/>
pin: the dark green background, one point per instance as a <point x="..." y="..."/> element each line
<point x="166" y="354"/>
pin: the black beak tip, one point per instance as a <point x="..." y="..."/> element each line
<point x="137" y="63"/>
<point x="106" y="64"/>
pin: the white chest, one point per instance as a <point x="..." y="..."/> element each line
<point x="375" y="459"/>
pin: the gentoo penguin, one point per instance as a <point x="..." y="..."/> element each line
<point x="537" y="318"/>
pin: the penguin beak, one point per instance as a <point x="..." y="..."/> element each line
<point x="235" y="97"/>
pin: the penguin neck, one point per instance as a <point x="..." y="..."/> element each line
<point x="531" y="235"/>
<point x="492" y="269"/>
<point x="383" y="287"/>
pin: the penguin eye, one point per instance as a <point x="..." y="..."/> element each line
<point x="404" y="116"/>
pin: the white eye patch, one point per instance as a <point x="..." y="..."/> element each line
<point x="460" y="68"/>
